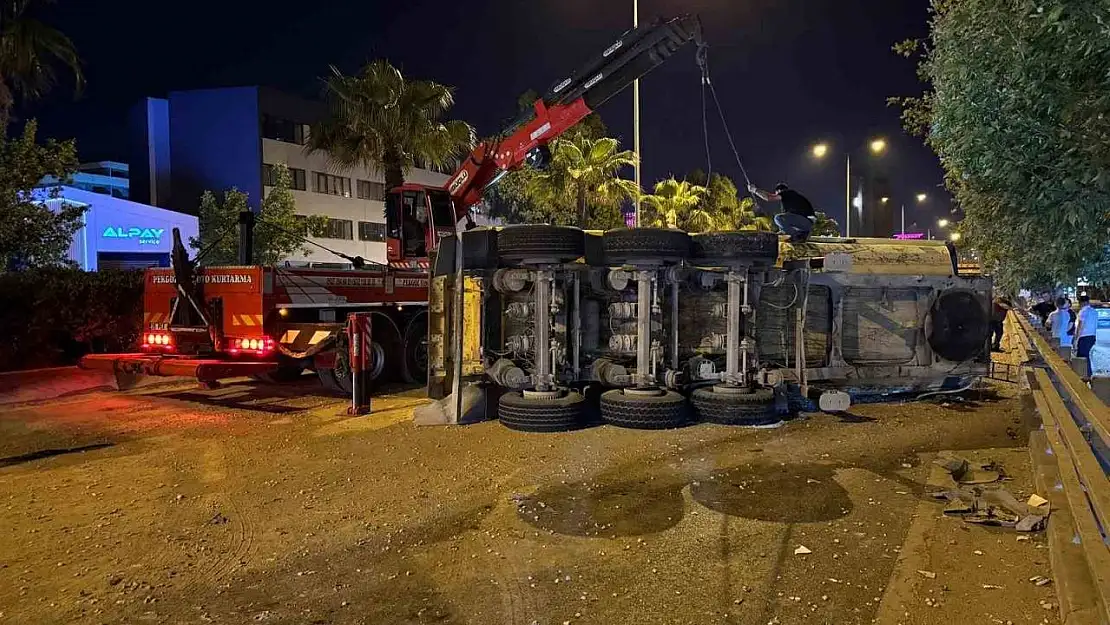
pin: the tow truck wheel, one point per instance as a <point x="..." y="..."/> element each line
<point x="414" y="369"/>
<point x="643" y="409"/>
<point x="726" y="406"/>
<point x="629" y="245"/>
<point x="337" y="378"/>
<point x="535" y="411"/>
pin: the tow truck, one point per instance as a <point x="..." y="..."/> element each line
<point x="273" y="323"/>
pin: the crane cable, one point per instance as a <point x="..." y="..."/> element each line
<point x="702" y="58"/>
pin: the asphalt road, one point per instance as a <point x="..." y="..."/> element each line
<point x="255" y="505"/>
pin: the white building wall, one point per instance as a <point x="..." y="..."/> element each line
<point x="311" y="202"/>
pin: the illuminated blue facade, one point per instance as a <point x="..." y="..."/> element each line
<point x="121" y="234"/>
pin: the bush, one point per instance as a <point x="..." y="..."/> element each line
<point x="53" y="316"/>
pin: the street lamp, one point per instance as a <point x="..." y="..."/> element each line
<point x="820" y="150"/>
<point x="921" y="197"/>
<point x="636" y="117"/>
<point x="955" y="236"/>
<point x="943" y="223"/>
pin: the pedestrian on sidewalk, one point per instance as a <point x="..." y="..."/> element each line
<point x="1059" y="321"/>
<point x="1086" y="329"/>
<point x="1044" y="309"/>
<point x="999" y="311"/>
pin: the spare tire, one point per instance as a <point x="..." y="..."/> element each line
<point x="628" y="245"/>
<point x="751" y="245"/>
<point x="958" y="327"/>
<point x="540" y="243"/>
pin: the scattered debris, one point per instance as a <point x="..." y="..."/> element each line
<point x="977" y="552"/>
<point x="1040" y="580"/>
<point x="217" y="519"/>
<point x="802" y="550"/>
<point x="963" y="472"/>
<point x="992" y="587"/>
<point x="928" y="574"/>
<point x="1022" y="538"/>
<point x="993" y="505"/>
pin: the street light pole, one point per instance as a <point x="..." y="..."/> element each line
<point x="848" y="199"/>
<point x="636" y="116"/>
<point x="903" y="220"/>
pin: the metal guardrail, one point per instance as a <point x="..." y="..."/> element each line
<point x="1070" y="472"/>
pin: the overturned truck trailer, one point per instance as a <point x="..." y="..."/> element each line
<point x="548" y="327"/>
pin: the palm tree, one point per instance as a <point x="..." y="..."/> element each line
<point x="677" y="204"/>
<point x="746" y="218"/>
<point x="29" y="53"/>
<point x="583" y="173"/>
<point x="380" y="120"/>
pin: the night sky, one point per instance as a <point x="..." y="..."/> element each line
<point x="789" y="72"/>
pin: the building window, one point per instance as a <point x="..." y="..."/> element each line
<point x="371" y="231"/>
<point x="339" y="229"/>
<point x="285" y="130"/>
<point x="297" y="177"/>
<point x="371" y="190"/>
<point x="332" y="185"/>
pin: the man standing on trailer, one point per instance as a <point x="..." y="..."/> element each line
<point x="797" y="217"/>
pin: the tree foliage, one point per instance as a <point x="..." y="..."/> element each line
<point x="1018" y="114"/>
<point x="723" y="203"/>
<point x="381" y="120"/>
<point x="31" y="234"/>
<point x="677" y="204"/>
<point x="825" y="226"/>
<point x="580" y="186"/>
<point x="278" y="232"/>
<point x="52" y="316"/>
<point x="30" y="54"/>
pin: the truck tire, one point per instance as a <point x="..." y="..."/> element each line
<point x="540" y="243"/>
<point x="554" y="414"/>
<point x="414" y="367"/>
<point x="754" y="246"/>
<point x="731" y="408"/>
<point x="958" y="327"/>
<point x="643" y="412"/>
<point x="628" y="245"/>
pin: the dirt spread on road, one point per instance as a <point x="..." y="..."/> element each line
<point x="176" y="505"/>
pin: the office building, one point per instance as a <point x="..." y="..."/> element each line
<point x="104" y="177"/>
<point x="217" y="139"/>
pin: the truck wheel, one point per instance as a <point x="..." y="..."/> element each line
<point x="540" y="243"/>
<point x="643" y="409"/>
<point x="725" y="406"/>
<point x="414" y="369"/>
<point x="629" y="245"/>
<point x="535" y="411"/>
<point x="754" y="246"/>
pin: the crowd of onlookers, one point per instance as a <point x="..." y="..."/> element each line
<point x="1072" y="328"/>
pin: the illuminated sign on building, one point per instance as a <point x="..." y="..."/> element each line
<point x="910" y="235"/>
<point x="630" y="220"/>
<point x="145" y="236"/>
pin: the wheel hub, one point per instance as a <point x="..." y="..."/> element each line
<point x="650" y="391"/>
<point x="540" y="395"/>
<point x="729" y="389"/>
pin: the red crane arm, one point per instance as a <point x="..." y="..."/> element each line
<point x="570" y="100"/>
